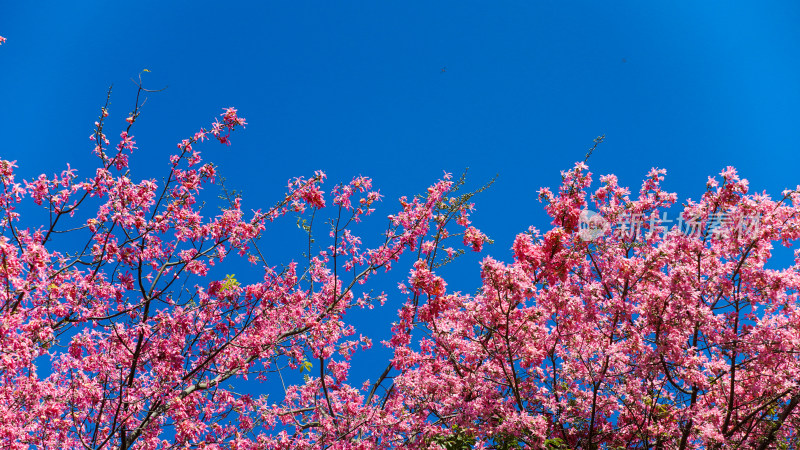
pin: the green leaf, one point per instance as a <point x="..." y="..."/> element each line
<point x="230" y="283"/>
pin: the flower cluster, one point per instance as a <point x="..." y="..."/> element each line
<point x="686" y="342"/>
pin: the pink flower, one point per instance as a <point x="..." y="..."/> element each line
<point x="616" y="343"/>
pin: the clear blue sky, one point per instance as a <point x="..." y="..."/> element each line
<point x="357" y="88"/>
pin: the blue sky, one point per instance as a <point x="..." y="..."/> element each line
<point x="357" y="88"/>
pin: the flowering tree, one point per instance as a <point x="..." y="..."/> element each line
<point x="631" y="340"/>
<point x="141" y="338"/>
<point x="650" y="338"/>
